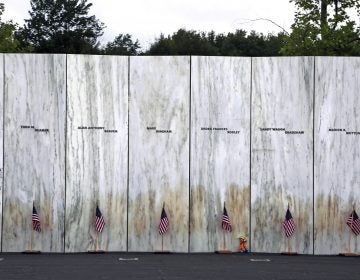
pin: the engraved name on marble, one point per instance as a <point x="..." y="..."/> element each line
<point x="280" y="129"/>
<point x="164" y="131"/>
<point x="91" y="127"/>
<point x="26" y="126"/>
<point x="46" y="130"/>
<point x="344" y="130"/>
<point x="229" y="131"/>
<point x="159" y="130"/>
<point x="272" y="129"/>
<point x="98" y="128"/>
<point x="233" y="131"/>
<point x="294" y="132"/>
<point x="214" y="128"/>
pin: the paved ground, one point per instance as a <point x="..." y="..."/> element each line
<point x="176" y="266"/>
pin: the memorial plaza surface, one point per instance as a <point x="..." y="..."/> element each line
<point x="176" y="266"/>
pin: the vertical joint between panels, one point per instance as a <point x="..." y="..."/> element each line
<point x="314" y="69"/>
<point x="251" y="88"/>
<point x="128" y="155"/>
<point x="3" y="159"/>
<point x="66" y="131"/>
<point x="189" y="218"/>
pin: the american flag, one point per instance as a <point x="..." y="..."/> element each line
<point x="354" y="222"/>
<point x="35" y="220"/>
<point x="225" y="223"/>
<point x="288" y="224"/>
<point x="164" y="222"/>
<point x="99" y="221"/>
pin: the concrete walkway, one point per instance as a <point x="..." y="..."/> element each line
<point x="176" y="266"/>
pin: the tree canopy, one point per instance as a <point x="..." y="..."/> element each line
<point x="122" y="45"/>
<point x="190" y="42"/>
<point x="321" y="27"/>
<point x="324" y="27"/>
<point x="61" y="26"/>
<point x="8" y="42"/>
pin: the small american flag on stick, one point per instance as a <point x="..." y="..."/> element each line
<point x="35" y="220"/>
<point x="288" y="224"/>
<point x="353" y="222"/>
<point x="164" y="222"/>
<point x="225" y="223"/>
<point x="99" y="221"/>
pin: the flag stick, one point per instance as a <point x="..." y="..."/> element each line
<point x="32" y="231"/>
<point x="349" y="241"/>
<point x="162" y="243"/>
<point x="97" y="241"/>
<point x="224" y="233"/>
<point x="31" y="238"/>
<point x="224" y="240"/>
<point x="289" y="245"/>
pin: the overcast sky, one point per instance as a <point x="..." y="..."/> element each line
<point x="146" y="19"/>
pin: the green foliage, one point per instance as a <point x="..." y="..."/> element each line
<point x="8" y="42"/>
<point x="61" y="26"/>
<point x="185" y="42"/>
<point x="122" y="45"/>
<point x="324" y="27"/>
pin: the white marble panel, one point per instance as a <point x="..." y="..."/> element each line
<point x="35" y="94"/>
<point x="159" y="162"/>
<point x="337" y="153"/>
<point x="282" y="162"/>
<point x="96" y="155"/>
<point x="220" y="159"/>
<point x="1" y="133"/>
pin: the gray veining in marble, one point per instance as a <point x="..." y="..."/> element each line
<point x="1" y="133"/>
<point x="96" y="157"/>
<point x="281" y="164"/>
<point x="34" y="170"/>
<point x="159" y="162"/>
<point x="220" y="159"/>
<point x="337" y="153"/>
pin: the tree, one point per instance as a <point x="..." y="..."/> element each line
<point x="183" y="42"/>
<point x="8" y="42"/>
<point x="122" y="45"/>
<point x="324" y="27"/>
<point x="61" y="26"/>
<point x="239" y="43"/>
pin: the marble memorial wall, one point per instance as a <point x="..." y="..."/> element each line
<point x="1" y="134"/>
<point x="337" y="153"/>
<point x="220" y="151"/>
<point x="159" y="152"/>
<point x="34" y="153"/>
<point x="282" y="153"/>
<point x="130" y="134"/>
<point x="96" y="160"/>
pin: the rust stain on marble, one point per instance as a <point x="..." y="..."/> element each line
<point x="331" y="214"/>
<point x="238" y="207"/>
<point x="144" y="218"/>
<point x="198" y="211"/>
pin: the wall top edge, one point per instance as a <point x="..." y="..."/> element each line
<point x="215" y="56"/>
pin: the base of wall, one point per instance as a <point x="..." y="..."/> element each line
<point x="96" y="252"/>
<point x="31" y="252"/>
<point x="349" y="255"/>
<point x="289" y="253"/>
<point x="162" y="252"/>
<point x="223" y="252"/>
